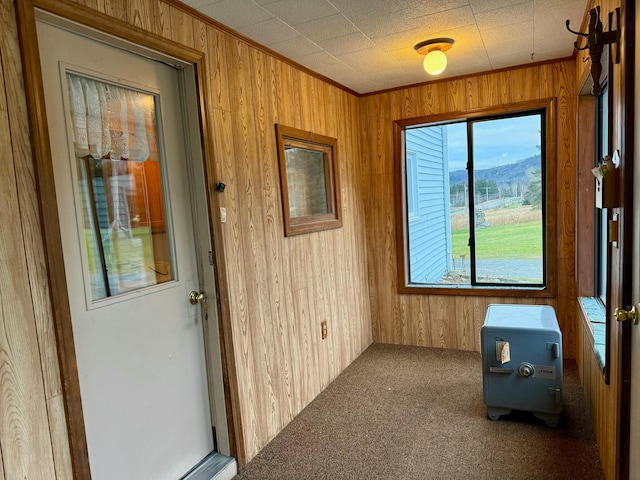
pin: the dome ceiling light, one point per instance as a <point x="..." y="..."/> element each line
<point x="435" y="61"/>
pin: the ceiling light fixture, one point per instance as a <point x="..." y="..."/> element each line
<point x="435" y="61"/>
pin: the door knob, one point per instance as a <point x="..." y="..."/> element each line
<point x="195" y="297"/>
<point x="623" y="315"/>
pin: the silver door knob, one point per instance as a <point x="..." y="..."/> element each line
<point x="195" y="297"/>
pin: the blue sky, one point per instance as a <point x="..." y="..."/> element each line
<point x="496" y="142"/>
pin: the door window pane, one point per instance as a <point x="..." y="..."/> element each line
<point x="121" y="187"/>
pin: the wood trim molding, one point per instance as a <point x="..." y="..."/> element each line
<point x="49" y="214"/>
<point x="467" y="75"/>
<point x="229" y="371"/>
<point x="327" y="146"/>
<point x="627" y="141"/>
<point x="118" y="29"/>
<point x="585" y="249"/>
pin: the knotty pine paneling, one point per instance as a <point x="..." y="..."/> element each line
<point x="450" y="321"/>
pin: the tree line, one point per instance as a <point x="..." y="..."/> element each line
<point x="529" y="191"/>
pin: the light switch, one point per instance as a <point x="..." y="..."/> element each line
<point x="223" y="215"/>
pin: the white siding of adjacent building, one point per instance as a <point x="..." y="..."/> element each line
<point x="429" y="225"/>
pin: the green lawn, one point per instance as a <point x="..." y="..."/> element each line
<point x="521" y="240"/>
<point x="138" y="247"/>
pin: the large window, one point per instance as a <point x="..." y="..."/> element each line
<point x="481" y="185"/>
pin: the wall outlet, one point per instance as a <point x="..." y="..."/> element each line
<point x="325" y="329"/>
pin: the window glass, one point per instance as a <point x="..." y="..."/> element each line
<point x="120" y="185"/>
<point x="508" y="200"/>
<point x="306" y="180"/>
<point x="602" y="221"/>
<point x="481" y="182"/>
<point x="413" y="204"/>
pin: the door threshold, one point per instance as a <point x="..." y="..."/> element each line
<point x="214" y="466"/>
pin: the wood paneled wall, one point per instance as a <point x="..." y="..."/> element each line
<point x="33" y="432"/>
<point x="454" y="321"/>
<point x="603" y="399"/>
<point x="280" y="289"/>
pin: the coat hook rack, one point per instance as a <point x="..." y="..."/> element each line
<point x="596" y="40"/>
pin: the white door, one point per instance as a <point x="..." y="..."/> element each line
<point x="116" y="131"/>
<point x="634" y="437"/>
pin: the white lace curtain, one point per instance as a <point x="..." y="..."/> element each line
<point x="108" y="121"/>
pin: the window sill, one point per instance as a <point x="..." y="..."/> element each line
<point x="479" y="291"/>
<point x="595" y="322"/>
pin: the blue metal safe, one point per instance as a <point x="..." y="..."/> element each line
<point x="522" y="361"/>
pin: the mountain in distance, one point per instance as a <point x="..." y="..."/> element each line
<point x="503" y="174"/>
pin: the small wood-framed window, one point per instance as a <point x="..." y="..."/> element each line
<point x="309" y="179"/>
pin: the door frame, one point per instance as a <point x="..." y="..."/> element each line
<point x="627" y="143"/>
<point x="142" y="42"/>
<point x="623" y="139"/>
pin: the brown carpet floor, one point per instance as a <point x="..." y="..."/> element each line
<point x="408" y="413"/>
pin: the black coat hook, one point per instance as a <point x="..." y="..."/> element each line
<point x="596" y="40"/>
<point x="575" y="44"/>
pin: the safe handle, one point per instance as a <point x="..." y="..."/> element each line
<point x="555" y="349"/>
<point x="500" y="370"/>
